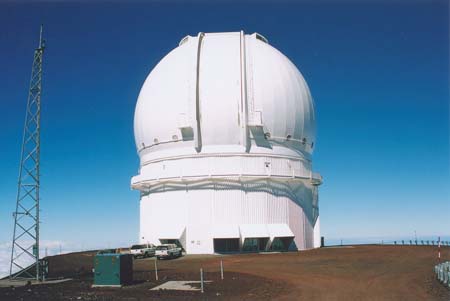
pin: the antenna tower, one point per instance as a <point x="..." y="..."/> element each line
<point x="25" y="244"/>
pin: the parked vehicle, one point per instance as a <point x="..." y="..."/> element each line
<point x="144" y="250"/>
<point x="168" y="251"/>
<point x="123" y="251"/>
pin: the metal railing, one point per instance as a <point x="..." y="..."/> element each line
<point x="419" y="242"/>
<point x="401" y="242"/>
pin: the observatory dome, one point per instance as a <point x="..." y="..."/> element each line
<point x="225" y="129"/>
<point x="233" y="90"/>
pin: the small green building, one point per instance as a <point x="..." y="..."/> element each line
<point x="113" y="269"/>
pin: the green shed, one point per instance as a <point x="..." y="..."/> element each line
<point x="113" y="269"/>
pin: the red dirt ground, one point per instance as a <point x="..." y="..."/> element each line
<point x="345" y="273"/>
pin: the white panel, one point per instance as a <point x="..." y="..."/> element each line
<point x="279" y="166"/>
<point x="148" y="108"/>
<point x="253" y="231"/>
<point x="156" y="209"/>
<point x="317" y="237"/>
<point x="309" y="234"/>
<point x="227" y="206"/>
<point x="279" y="230"/>
<point x="174" y="232"/>
<point x="220" y="88"/>
<point x="274" y="212"/>
<point x="253" y="165"/>
<point x="199" y="226"/>
<point x="225" y="165"/>
<point x="225" y="231"/>
<point x="296" y="223"/>
<point x="292" y="115"/>
<point x="254" y="208"/>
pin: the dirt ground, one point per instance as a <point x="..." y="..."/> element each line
<point x="341" y="273"/>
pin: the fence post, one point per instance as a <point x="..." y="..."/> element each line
<point x="221" y="269"/>
<point x="439" y="249"/>
<point x="156" y="270"/>
<point x="201" y="278"/>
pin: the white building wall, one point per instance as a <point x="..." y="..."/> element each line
<point x="297" y="224"/>
<point x="159" y="220"/>
<point x="224" y="165"/>
<point x="200" y="221"/>
<point x="309" y="233"/>
<point x="198" y="211"/>
<point x="317" y="237"/>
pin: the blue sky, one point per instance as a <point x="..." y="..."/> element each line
<point x="379" y="74"/>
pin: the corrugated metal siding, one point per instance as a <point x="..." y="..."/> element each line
<point x="227" y="206"/>
<point x="309" y="234"/>
<point x="226" y="203"/>
<point x="277" y="208"/>
<point x="200" y="213"/>
<point x="296" y="223"/>
<point x="156" y="208"/>
<point x="254" y="209"/>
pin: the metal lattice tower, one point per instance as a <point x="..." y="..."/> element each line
<point x="25" y="244"/>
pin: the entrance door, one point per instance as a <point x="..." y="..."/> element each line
<point x="226" y="245"/>
<point x="255" y="244"/>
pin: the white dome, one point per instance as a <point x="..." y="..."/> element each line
<point x="225" y="128"/>
<point x="225" y="90"/>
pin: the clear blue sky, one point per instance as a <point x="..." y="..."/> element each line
<point x="378" y="73"/>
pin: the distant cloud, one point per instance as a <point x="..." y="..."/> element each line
<point x="50" y="248"/>
<point x="5" y="257"/>
<point x="47" y="248"/>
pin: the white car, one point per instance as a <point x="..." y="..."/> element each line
<point x="144" y="250"/>
<point x="168" y="251"/>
